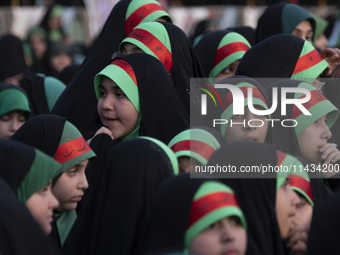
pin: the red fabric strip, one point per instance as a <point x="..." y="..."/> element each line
<point x="301" y="183"/>
<point x="126" y="67"/>
<point x="229" y="97"/>
<point x="229" y="49"/>
<point x="155" y="45"/>
<point x="280" y="157"/>
<point x="205" y="150"/>
<point x="138" y="15"/>
<point x="209" y="203"/>
<point x="307" y="61"/>
<point x="71" y="149"/>
<point x="316" y="97"/>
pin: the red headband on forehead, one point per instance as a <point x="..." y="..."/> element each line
<point x="316" y="97"/>
<point x="229" y="49"/>
<point x="205" y="150"/>
<point x="126" y="67"/>
<point x="229" y="97"/>
<point x="155" y="45"/>
<point x="71" y="149"/>
<point x="209" y="203"/>
<point x="307" y="61"/>
<point x="302" y="184"/>
<point x="138" y="15"/>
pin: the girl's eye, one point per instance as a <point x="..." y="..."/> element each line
<point x="102" y="93"/>
<point x="211" y="226"/>
<point x="4" y="118"/>
<point x="120" y="94"/>
<point x="235" y="221"/>
<point x="72" y="172"/>
<point x="300" y="205"/>
<point x="227" y="70"/>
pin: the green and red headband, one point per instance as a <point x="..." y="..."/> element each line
<point x="153" y="39"/>
<point x="232" y="47"/>
<point x="309" y="65"/>
<point x="195" y="143"/>
<point x="318" y="106"/>
<point x="212" y="202"/>
<point x="143" y="11"/>
<point x="72" y="148"/>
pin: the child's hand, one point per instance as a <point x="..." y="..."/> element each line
<point x="332" y="56"/>
<point x="102" y="130"/>
<point x="330" y="155"/>
<point x="297" y="239"/>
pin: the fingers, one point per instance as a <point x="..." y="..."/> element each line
<point x="329" y="154"/>
<point x="102" y="130"/>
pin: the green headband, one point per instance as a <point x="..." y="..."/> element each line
<point x="72" y="148"/>
<point x="228" y="112"/>
<point x="169" y="153"/>
<point x="319" y="106"/>
<point x="311" y="69"/>
<point x="195" y="143"/>
<point x="224" y="205"/>
<point x="231" y="58"/>
<point x="42" y="170"/>
<point x="13" y="100"/>
<point x="154" y="28"/>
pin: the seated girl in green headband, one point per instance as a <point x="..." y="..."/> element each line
<point x="14" y="109"/>
<point x="200" y="217"/>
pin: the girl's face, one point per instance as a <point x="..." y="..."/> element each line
<point x="60" y="61"/>
<point x="304" y="31"/>
<point x="187" y="164"/>
<point x="10" y="123"/>
<point x="304" y="212"/>
<point x="115" y="110"/>
<point x="41" y="205"/>
<point x="129" y="48"/>
<point x="226" y="236"/>
<point x="312" y="138"/>
<point x="69" y="189"/>
<point x="38" y="45"/>
<point x="249" y="127"/>
<point x="228" y="71"/>
<point x="285" y="207"/>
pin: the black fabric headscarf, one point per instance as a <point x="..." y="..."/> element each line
<point x="170" y="215"/>
<point x="19" y="232"/>
<point x="256" y="196"/>
<point x="290" y="53"/>
<point x="35" y="89"/>
<point x="67" y="73"/>
<point x="324" y="233"/>
<point x="281" y="18"/>
<point x="246" y="31"/>
<point x="114" y="218"/>
<point x="12" y="54"/>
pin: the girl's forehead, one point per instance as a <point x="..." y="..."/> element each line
<point x="108" y="83"/>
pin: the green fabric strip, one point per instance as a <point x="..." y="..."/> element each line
<point x="70" y="133"/>
<point x="287" y="163"/>
<point x="154" y="28"/>
<point x="318" y="110"/>
<point x="227" y="39"/>
<point x="195" y="134"/>
<point x="135" y="4"/>
<point x="53" y="89"/>
<point x="292" y="15"/>
<point x="65" y="222"/>
<point x="42" y="170"/>
<point x="320" y="26"/>
<point x="13" y="100"/>
<point x="310" y="74"/>
<point x="167" y="150"/>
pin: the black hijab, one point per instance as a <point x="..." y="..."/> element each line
<point x="281" y="18"/>
<point x="12" y="54"/>
<point x="19" y="232"/>
<point x="282" y="56"/>
<point x="114" y="218"/>
<point x="170" y="211"/>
